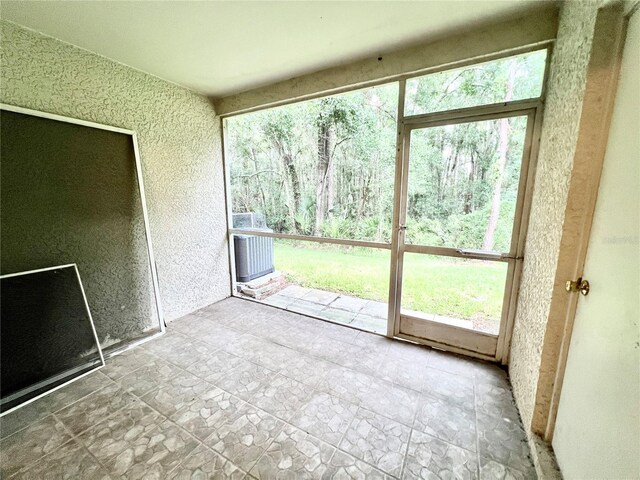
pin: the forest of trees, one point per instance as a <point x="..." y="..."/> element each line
<point x="326" y="167"/>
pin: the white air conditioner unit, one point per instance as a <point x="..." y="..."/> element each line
<point x="253" y="254"/>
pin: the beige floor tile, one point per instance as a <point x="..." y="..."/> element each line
<point x="28" y="446"/>
<point x="447" y="421"/>
<point x="325" y="416"/>
<point x="204" y="463"/>
<point x="246" y="436"/>
<point x="208" y="412"/>
<point x="212" y="398"/>
<point x="377" y="440"/>
<point x="294" y="454"/>
<point x="280" y="396"/>
<point x="245" y="379"/>
<point x="69" y="461"/>
<point x="428" y="457"/>
<point x="176" y="393"/>
<point x="96" y="407"/>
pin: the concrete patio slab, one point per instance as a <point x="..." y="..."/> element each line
<point x="279" y="300"/>
<point x="339" y="316"/>
<point x="306" y="308"/>
<point x="320" y="296"/>
<point x="376" y="309"/>
<point x="456" y="322"/>
<point x="351" y="304"/>
<point x="372" y="324"/>
<point x="294" y="291"/>
<point x="348" y="310"/>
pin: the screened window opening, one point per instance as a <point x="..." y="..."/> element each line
<point x="323" y="167"/>
<point x="512" y="78"/>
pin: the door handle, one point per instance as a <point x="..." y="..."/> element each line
<point x="580" y="285"/>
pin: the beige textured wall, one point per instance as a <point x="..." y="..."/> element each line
<point x="566" y="87"/>
<point x="179" y="139"/>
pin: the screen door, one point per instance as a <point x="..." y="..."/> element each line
<point x="461" y="207"/>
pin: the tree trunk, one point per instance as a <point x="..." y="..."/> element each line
<point x="292" y="175"/>
<point x="503" y="144"/>
<point x="293" y="178"/>
<point x="325" y="141"/>
<point x="468" y="196"/>
<point x="330" y="188"/>
<point x="290" y="167"/>
<point x="258" y="182"/>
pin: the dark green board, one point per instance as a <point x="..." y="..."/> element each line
<point x="69" y="194"/>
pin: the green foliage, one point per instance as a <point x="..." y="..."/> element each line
<point x="337" y="228"/>
<point x="476" y="85"/>
<point x="373" y="227"/>
<point x="362" y="164"/>
<point x="304" y="216"/>
<point x="279" y="126"/>
<point x="340" y="111"/>
<point x="453" y="170"/>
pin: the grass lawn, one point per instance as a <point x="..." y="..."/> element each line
<point x="465" y="289"/>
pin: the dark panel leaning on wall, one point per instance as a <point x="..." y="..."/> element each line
<point x="69" y="194"/>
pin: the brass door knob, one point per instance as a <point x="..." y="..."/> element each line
<point x="579" y="285"/>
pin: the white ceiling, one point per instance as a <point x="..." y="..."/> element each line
<point x="218" y="48"/>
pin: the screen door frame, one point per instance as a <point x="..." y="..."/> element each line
<point x="457" y="339"/>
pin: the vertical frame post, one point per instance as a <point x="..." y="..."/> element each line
<point x="394" y="278"/>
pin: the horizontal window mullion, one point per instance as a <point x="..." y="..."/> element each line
<point x="455" y="252"/>
<point x="310" y="238"/>
<point x="502" y="109"/>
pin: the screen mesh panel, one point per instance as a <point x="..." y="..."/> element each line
<point x="47" y="337"/>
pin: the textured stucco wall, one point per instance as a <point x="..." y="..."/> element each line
<point x="179" y="140"/>
<point x="566" y="86"/>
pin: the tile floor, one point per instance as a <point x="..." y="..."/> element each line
<point x="243" y="390"/>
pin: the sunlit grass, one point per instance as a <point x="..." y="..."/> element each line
<point x="441" y="285"/>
